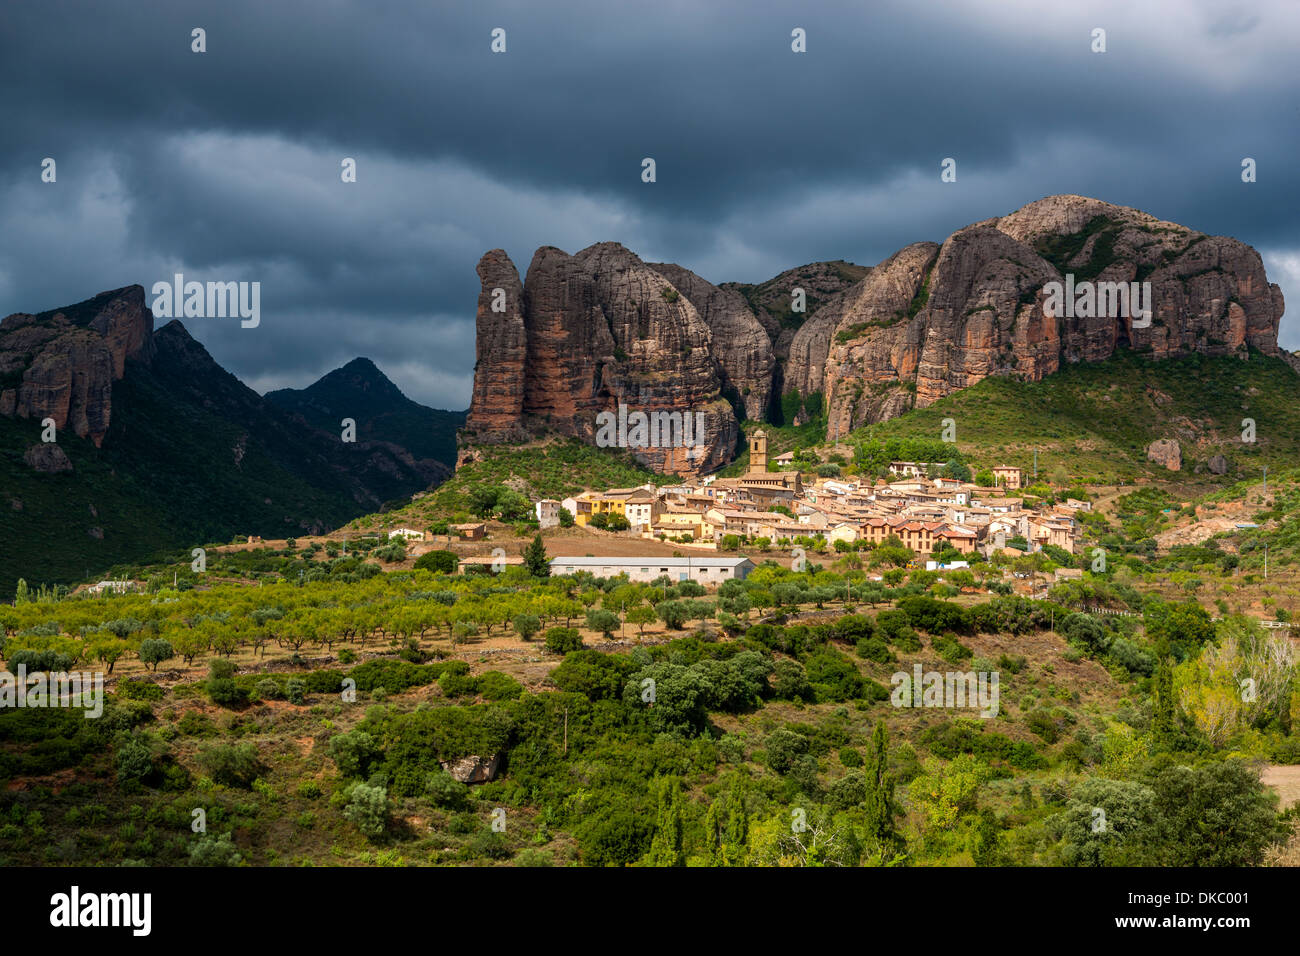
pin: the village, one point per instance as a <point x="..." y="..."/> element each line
<point x="765" y="508"/>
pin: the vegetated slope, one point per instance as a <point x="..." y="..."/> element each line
<point x="360" y="391"/>
<point x="191" y="455"/>
<point x="555" y="469"/>
<point x="1097" y="418"/>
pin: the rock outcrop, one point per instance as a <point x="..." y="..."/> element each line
<point x="591" y="332"/>
<point x="47" y="458"/>
<point x="62" y="364"/>
<point x="1167" y="453"/>
<point x="909" y="334"/>
<point x="741" y="345"/>
<point x="602" y="327"/>
<point x="473" y="769"/>
<point x="501" y="349"/>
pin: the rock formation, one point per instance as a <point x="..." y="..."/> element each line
<point x="602" y="327"/>
<point x="62" y="364"/>
<point x="47" y="458"/>
<point x="593" y="331"/>
<point x="1166" y="452"/>
<point x="979" y="308"/>
<point x="741" y="345"/>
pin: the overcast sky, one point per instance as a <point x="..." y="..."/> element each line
<point x="225" y="165"/>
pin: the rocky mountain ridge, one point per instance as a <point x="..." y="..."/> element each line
<point x="585" y="333"/>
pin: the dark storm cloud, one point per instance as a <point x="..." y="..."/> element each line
<point x="225" y="165"/>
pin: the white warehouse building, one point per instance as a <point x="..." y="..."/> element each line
<point x="703" y="570"/>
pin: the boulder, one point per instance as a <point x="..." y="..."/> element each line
<point x="47" y="458"/>
<point x="473" y="769"/>
<point x="1166" y="452"/>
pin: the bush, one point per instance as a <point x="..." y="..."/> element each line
<point x="562" y="640"/>
<point x="368" y="809"/>
<point x="854" y="628"/>
<point x="439" y="562"/>
<point x="134" y="761"/>
<point x="615" y="838"/>
<point x="269" y="689"/>
<point x="1135" y="659"/>
<point x="354" y="753"/>
<point x="213" y="850"/>
<point x="456" y="680"/>
<point x="934" y="616"/>
<point x="876" y="650"/>
<point x="493" y="685"/>
<point x="231" y="765"/>
<point x="38" y="661"/>
<point x="221" y="685"/>
<point x="137" y="689"/>
<point x="447" y="792"/>
<point x="790" y="681"/>
<point x="395" y="676"/>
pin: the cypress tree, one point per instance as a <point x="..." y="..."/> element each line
<point x="666" y="845"/>
<point x="536" y="559"/>
<point x="879" y="802"/>
<point x="736" y="845"/>
<point x="713" y="836"/>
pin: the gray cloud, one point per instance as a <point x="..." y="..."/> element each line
<point x="226" y="164"/>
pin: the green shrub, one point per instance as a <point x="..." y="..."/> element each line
<point x="447" y="792"/>
<point x="231" y="765"/>
<point x="213" y="850"/>
<point x="139" y="689"/>
<point x="439" y="562"/>
<point x="562" y="640"/>
<point x="367" y="808"/>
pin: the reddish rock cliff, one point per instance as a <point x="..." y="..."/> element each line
<point x="602" y="327"/>
<point x="599" y="329"/>
<point x="62" y="364"/>
<point x="900" y="337"/>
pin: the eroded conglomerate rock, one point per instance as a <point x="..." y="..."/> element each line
<point x="602" y="327"/>
<point x="62" y="364"/>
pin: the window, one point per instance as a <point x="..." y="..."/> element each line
<point x="645" y="570"/>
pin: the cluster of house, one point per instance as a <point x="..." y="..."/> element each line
<point x="923" y="513"/>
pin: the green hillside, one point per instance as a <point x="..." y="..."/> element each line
<point x="556" y="469"/>
<point x="1096" y="419"/>
<point x="192" y="456"/>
